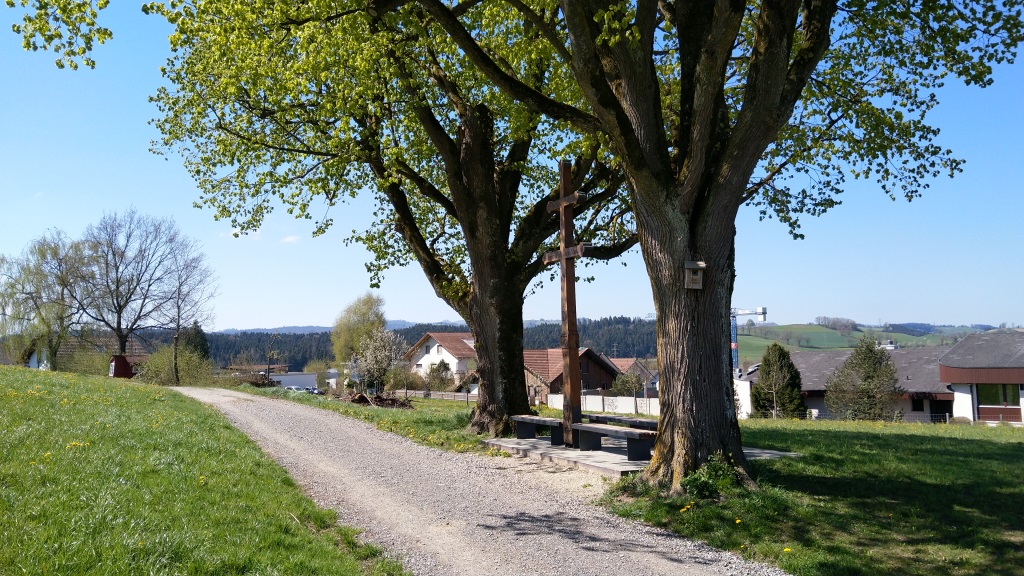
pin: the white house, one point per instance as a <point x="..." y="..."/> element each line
<point x="455" y="348"/>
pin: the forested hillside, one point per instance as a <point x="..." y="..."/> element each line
<point x="246" y="348"/>
<point x="619" y="336"/>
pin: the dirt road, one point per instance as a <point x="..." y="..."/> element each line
<point x="446" y="514"/>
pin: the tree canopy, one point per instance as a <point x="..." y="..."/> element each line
<point x="865" y="387"/>
<point x="777" y="392"/>
<point x="356" y="324"/>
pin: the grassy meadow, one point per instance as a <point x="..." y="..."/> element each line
<point x="863" y="499"/>
<point x="105" y="476"/>
<point x="814" y="337"/>
<point x="439" y="423"/>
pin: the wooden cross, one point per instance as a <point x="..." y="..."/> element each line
<point x="572" y="411"/>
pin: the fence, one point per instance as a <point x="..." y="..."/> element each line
<point x="897" y="416"/>
<point x="615" y="404"/>
<point x="461" y="396"/>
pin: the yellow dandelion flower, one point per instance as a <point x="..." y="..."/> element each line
<point x="786" y="550"/>
<point x="738" y="521"/>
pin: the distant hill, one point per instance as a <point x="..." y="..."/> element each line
<point x="615" y="336"/>
<point x="279" y="330"/>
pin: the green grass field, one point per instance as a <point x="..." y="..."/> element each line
<point x="105" y="476"/>
<point x="111" y="477"/>
<point x="814" y="337"/>
<point x="864" y="499"/>
<point x="439" y="423"/>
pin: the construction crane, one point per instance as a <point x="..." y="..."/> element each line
<point x="734" y="344"/>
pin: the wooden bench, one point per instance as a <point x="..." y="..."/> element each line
<point x="638" y="442"/>
<point x="526" y="428"/>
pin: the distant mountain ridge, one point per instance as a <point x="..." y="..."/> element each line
<point x="391" y="325"/>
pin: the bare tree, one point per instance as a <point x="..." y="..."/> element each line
<point x="129" y="278"/>
<point x="192" y="290"/>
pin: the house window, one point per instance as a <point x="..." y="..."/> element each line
<point x="998" y="395"/>
<point x="419" y="366"/>
<point x="440" y="349"/>
<point x="426" y="349"/>
<point x="584" y="367"/>
<point x="917" y="405"/>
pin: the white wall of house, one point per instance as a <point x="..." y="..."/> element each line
<point x="963" y="401"/>
<point x="39" y="362"/>
<point x="815" y="407"/>
<point x="300" y="379"/>
<point x="745" y="402"/>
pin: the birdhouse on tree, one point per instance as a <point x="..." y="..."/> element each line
<point x="694" y="275"/>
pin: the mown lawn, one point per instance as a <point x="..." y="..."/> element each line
<point x="864" y="499"/>
<point x="105" y="476"/>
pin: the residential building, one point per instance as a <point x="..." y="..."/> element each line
<point x="635" y="366"/>
<point x="926" y="397"/>
<point x="986" y="375"/>
<point x="456" y="349"/>
<point x="544" y="373"/>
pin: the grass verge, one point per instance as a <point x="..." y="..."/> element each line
<point x="439" y="423"/>
<point x="862" y="499"/>
<point x="105" y="476"/>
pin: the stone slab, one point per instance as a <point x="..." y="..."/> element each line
<point x="609" y="461"/>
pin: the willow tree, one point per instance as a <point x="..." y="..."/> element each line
<point x="707" y="105"/>
<point x="308" y="104"/>
<point x="37" y="309"/>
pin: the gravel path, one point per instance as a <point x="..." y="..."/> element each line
<point x="446" y="514"/>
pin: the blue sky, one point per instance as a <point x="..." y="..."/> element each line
<point x="75" y="145"/>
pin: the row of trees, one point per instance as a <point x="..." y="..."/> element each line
<point x="127" y="273"/>
<point x="864" y="387"/>
<point x="844" y="326"/>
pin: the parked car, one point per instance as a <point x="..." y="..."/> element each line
<point x="294" y="389"/>
<point x="314" y="390"/>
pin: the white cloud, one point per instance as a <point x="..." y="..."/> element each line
<point x="290" y="239"/>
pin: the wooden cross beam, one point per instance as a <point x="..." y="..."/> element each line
<point x="572" y="412"/>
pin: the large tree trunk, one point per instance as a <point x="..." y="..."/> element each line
<point x="485" y="202"/>
<point x="496" y="319"/>
<point x="698" y="412"/>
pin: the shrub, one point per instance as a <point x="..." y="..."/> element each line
<point x="777" y="391"/>
<point x="400" y="378"/>
<point x="193" y="370"/>
<point x="710" y="480"/>
<point x="318" y="367"/>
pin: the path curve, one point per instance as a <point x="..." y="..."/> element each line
<point x="447" y="514"/>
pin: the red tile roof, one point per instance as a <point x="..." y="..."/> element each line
<point x="546" y="364"/>
<point x="623" y="364"/>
